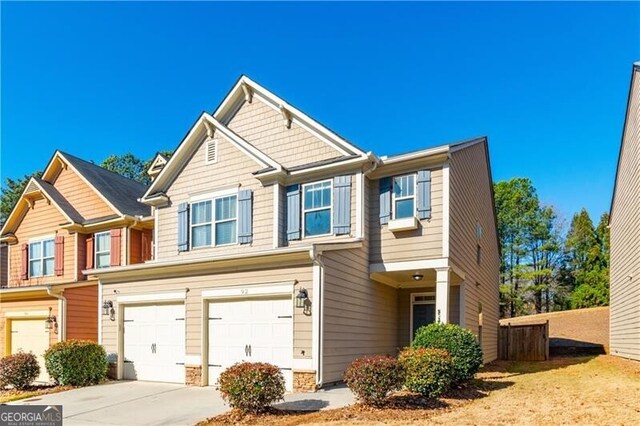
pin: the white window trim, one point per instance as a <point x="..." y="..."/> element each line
<point x="413" y="197"/>
<point x="42" y="257"/>
<point x="213" y="222"/>
<point x="206" y="150"/>
<point x="420" y="302"/>
<point x="330" y="207"/>
<point x="96" y="252"/>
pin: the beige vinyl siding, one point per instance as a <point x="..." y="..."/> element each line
<point x="360" y="315"/>
<point x="264" y="128"/>
<point x="81" y="196"/>
<point x="422" y="243"/>
<point x="41" y="304"/>
<point x="195" y="284"/>
<point x="625" y="237"/>
<point x="232" y="168"/>
<point x="471" y="203"/>
<point x="82" y="312"/>
<point x="43" y="220"/>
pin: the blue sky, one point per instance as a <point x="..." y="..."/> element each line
<point x="548" y="83"/>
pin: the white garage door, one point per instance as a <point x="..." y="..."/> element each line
<point x="31" y="336"/>
<point x="258" y="330"/>
<point x="154" y="343"/>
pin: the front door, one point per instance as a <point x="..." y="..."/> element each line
<point x="423" y="311"/>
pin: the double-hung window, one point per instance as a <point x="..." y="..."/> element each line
<point x="404" y="196"/>
<point x="41" y="258"/>
<point x="317" y="208"/>
<point x="103" y="249"/>
<point x="214" y="221"/>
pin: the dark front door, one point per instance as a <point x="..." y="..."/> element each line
<point x="423" y="314"/>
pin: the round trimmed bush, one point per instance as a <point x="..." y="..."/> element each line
<point x="371" y="378"/>
<point x="76" y="362"/>
<point x="251" y="387"/>
<point x="461" y="344"/>
<point x="18" y="370"/>
<point x="428" y="372"/>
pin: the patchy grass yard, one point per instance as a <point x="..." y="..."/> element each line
<point x="8" y="395"/>
<point x="582" y="390"/>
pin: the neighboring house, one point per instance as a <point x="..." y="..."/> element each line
<point x="279" y="241"/>
<point x="624" y="222"/>
<point x="77" y="216"/>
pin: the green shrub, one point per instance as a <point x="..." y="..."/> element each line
<point x="76" y="362"/>
<point x="251" y="387"/>
<point x="461" y="344"/>
<point x="428" y="372"/>
<point x="371" y="378"/>
<point x="18" y="370"/>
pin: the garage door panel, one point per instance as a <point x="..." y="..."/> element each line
<point x="31" y="336"/>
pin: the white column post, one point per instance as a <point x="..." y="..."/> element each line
<point x="442" y="295"/>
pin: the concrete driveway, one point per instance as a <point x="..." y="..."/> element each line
<point x="151" y="404"/>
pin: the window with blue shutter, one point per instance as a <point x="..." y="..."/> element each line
<point x="385" y="200"/>
<point x="342" y="205"/>
<point x="245" y="216"/>
<point x="293" y="212"/>
<point x="424" y="194"/>
<point x="183" y="227"/>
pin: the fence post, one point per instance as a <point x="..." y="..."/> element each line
<point x="546" y="342"/>
<point x="509" y="341"/>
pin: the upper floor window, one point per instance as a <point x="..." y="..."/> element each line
<point x="404" y="196"/>
<point x="41" y="258"/>
<point x="214" y="221"/>
<point x="317" y="208"/>
<point x="103" y="249"/>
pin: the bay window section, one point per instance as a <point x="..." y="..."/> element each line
<point x="404" y="196"/>
<point x="103" y="249"/>
<point x="317" y="208"/>
<point x="41" y="258"/>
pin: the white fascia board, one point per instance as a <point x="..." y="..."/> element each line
<point x="408" y="265"/>
<point x="152" y="297"/>
<point x="446" y="203"/>
<point x="417" y="154"/>
<point x="248" y="290"/>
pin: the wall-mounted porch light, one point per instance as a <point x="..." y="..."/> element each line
<point x="301" y="298"/>
<point x="107" y="309"/>
<point x="51" y="323"/>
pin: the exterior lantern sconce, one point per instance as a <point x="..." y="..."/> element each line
<point x="302" y="298"/>
<point x="107" y="309"/>
<point x="417" y="276"/>
<point x="51" y="323"/>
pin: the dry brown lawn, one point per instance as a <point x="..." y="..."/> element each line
<point x="8" y="395"/>
<point x="601" y="390"/>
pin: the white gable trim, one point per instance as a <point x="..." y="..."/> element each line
<point x="297" y="116"/>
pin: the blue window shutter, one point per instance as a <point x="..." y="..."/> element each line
<point x="183" y="227"/>
<point x="385" y="200"/>
<point x="341" y="205"/>
<point x="245" y="216"/>
<point x="293" y="212"/>
<point x="424" y="194"/>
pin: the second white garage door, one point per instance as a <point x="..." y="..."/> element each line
<point x="154" y="343"/>
<point x="256" y="330"/>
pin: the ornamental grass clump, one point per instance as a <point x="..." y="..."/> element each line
<point x="372" y="378"/>
<point x="428" y="372"/>
<point x="461" y="344"/>
<point x="251" y="387"/>
<point x="18" y="370"/>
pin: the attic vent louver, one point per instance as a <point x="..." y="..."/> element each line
<point x="211" y="151"/>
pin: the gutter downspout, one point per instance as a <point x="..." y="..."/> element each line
<point x="316" y="260"/>
<point x="63" y="314"/>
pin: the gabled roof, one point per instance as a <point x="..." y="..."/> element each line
<point x="635" y="70"/>
<point x="118" y="191"/>
<point x="246" y="89"/>
<point x="61" y="202"/>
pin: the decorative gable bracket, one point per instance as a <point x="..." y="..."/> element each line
<point x="248" y="92"/>
<point x="286" y="116"/>
<point x="210" y="129"/>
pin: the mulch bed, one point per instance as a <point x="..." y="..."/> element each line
<point x="8" y="395"/>
<point x="403" y="406"/>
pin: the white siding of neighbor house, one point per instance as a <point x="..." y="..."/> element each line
<point x="625" y="237"/>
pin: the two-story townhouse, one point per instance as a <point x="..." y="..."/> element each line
<point x="77" y="216"/>
<point x="279" y="241"/>
<point x="624" y="223"/>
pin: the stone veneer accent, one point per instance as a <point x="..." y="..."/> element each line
<point x="304" y="381"/>
<point x="193" y="375"/>
<point x="112" y="371"/>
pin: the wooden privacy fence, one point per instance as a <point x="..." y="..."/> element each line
<point x="526" y="342"/>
